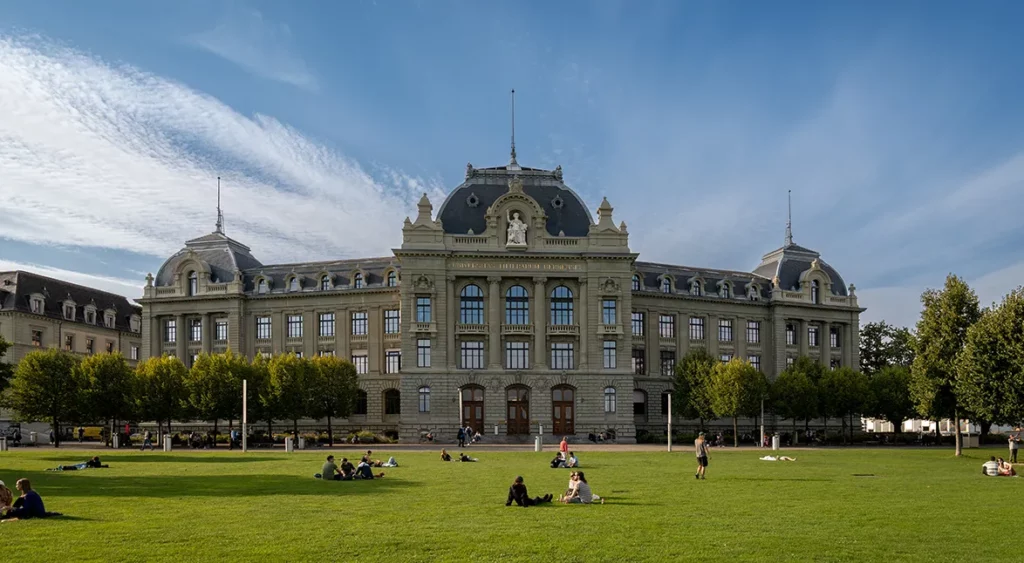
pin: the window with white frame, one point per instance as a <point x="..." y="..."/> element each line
<point x="69" y="312"/>
<point x="815" y="290"/>
<point x="668" y="363"/>
<point x="193" y="283"/>
<point x="134" y="352"/>
<point x="790" y="335"/>
<point x="696" y="328"/>
<point x="724" y="291"/>
<point x="753" y="332"/>
<point x="636" y="321"/>
<point x="262" y="286"/>
<point x="362" y="362"/>
<point x="833" y="337"/>
<point x="639" y="359"/>
<point x="726" y="358"/>
<point x="325" y="283"/>
<point x="609" y="400"/>
<point x="90" y="346"/>
<point x="37" y="305"/>
<point x="755" y="361"/>
<point x="326" y="324"/>
<point x="357" y="281"/>
<point x="695" y="288"/>
<point x="170" y="331"/>
<point x="562" y="356"/>
<point x="108" y="320"/>
<point x="812" y="336"/>
<point x="263" y="327"/>
<point x="392" y="321"/>
<point x="472" y="354"/>
<point x="561" y="306"/>
<point x="195" y="330"/>
<point x="636" y="282"/>
<point x="360" y="320"/>
<point x="293" y="283"/>
<point x="294" y="324"/>
<point x="392" y="361"/>
<point x="90" y="316"/>
<point x="725" y="330"/>
<point x="423" y="353"/>
<point x="392" y="279"/>
<point x="517" y="355"/>
<point x="69" y="343"/>
<point x="666" y="285"/>
<point x="609" y="354"/>
<point x="667" y="326"/>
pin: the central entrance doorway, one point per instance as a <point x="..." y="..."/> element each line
<point x="562" y="407"/>
<point x="518" y="410"/>
<point x="473" y="408"/>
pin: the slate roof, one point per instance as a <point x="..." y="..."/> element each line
<point x="459" y="215"/>
<point x="651" y="271"/>
<point x="341" y="272"/>
<point x="791" y="260"/>
<point x="222" y="253"/>
<point x="17" y="286"/>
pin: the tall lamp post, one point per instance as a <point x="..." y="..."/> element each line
<point x="670" y="422"/>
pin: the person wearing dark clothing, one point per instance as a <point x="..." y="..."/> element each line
<point x="517" y="493"/>
<point x="348" y="471"/>
<point x="29" y="505"/>
<point x="462" y="437"/>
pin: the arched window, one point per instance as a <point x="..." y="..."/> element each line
<point x="392" y="402"/>
<point x="424" y="399"/>
<point x="392" y="279"/>
<point x="723" y="291"/>
<point x="293" y="283"/>
<point x="325" y="283"/>
<point x="639" y="403"/>
<point x="357" y="280"/>
<point x="609" y="399"/>
<point x="666" y="285"/>
<point x="636" y="282"/>
<point x="517" y="306"/>
<point x="695" y="288"/>
<point x="561" y="306"/>
<point x="360" y="402"/>
<point x="814" y="291"/>
<point x="193" y="283"/>
<point x="471" y="305"/>
<point x="261" y="286"/>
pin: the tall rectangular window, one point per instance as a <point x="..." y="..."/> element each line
<point x="392" y="361"/>
<point x="472" y="354"/>
<point x="392" y="321"/>
<point x="37" y="338"/>
<point x="667" y="326"/>
<point x="170" y="331"/>
<point x="326" y="324"/>
<point x="608" y="312"/>
<point x="790" y="335"/>
<point x="755" y="361"/>
<point x="263" y="328"/>
<point x="110" y="347"/>
<point x="195" y="330"/>
<point x="221" y="330"/>
<point x="726" y="358"/>
<point x="359" y="323"/>
<point x="423" y="353"/>
<point x="812" y="336"/>
<point x="637" y="321"/>
<point x="562" y="355"/>
<point x="90" y="345"/>
<point x="134" y="352"/>
<point x="725" y="330"/>
<point x="362" y="362"/>
<point x="753" y="332"/>
<point x="517" y="355"/>
<point x="294" y="326"/>
<point x="639" y="355"/>
<point x="423" y="314"/>
<point x="833" y="337"/>
<point x="789" y="361"/>
<point x="668" y="362"/>
<point x="609" y="354"/>
<point x="696" y="328"/>
<point x="69" y="342"/>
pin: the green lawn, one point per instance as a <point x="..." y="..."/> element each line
<point x="918" y="505"/>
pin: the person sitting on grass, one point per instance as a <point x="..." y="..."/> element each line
<point x="517" y="493"/>
<point x="572" y="461"/>
<point x="445" y="456"/>
<point x="28" y="505"/>
<point x="364" y="470"/>
<point x="991" y="467"/>
<point x="466" y="458"/>
<point x="559" y="461"/>
<point x="330" y="471"/>
<point x="6" y="497"/>
<point x="580" y="493"/>
<point x="1006" y="469"/>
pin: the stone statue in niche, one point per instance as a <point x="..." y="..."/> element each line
<point x="516" y="229"/>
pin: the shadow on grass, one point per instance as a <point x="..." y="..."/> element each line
<point x="784" y="479"/>
<point x="53" y="484"/>
<point x="157" y="458"/>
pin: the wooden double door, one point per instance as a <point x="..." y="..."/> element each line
<point x="518" y="403"/>
<point x="563" y="410"/>
<point x="473" y="408"/>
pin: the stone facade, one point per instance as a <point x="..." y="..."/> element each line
<point x="511" y="306"/>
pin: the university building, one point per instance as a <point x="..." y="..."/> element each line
<point x="511" y="309"/>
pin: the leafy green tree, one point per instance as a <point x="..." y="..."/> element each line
<point x="160" y="390"/>
<point x="333" y="385"/>
<point x="941" y="335"/>
<point x="47" y="386"/>
<point x="990" y="368"/>
<point x="214" y="387"/>
<point x="795" y="396"/>
<point x="109" y="391"/>
<point x="882" y="344"/>
<point x="690" y="396"/>
<point x="844" y="392"/>
<point x="6" y="369"/>
<point x="262" y="404"/>
<point x="890" y="395"/>
<point x="289" y="387"/>
<point x="736" y="390"/>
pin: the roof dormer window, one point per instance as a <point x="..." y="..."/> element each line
<point x="36" y="304"/>
<point x="636" y="282"/>
<point x="293" y="283"/>
<point x="108" y="319"/>
<point x="357" y="280"/>
<point x="753" y="293"/>
<point x="325" y="283"/>
<point x="666" y="285"/>
<point x="90" y="316"/>
<point x="193" y="283"/>
<point x="723" y="291"/>
<point x="392" y="279"/>
<point x="135" y="323"/>
<point x="695" y="288"/>
<point x="815" y="290"/>
<point x="69" y="311"/>
<point x="262" y="287"/>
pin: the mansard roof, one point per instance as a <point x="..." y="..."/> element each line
<point x="791" y="260"/>
<point x="16" y="288"/>
<point x="222" y="253"/>
<point x="651" y="272"/>
<point x="341" y="272"/>
<point x="466" y="206"/>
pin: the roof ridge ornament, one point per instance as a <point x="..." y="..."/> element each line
<point x="789" y="217"/>
<point x="515" y="185"/>
<point x="220" y="216"/>
<point x="512" y="164"/>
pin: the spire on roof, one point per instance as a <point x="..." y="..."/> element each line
<point x="220" y="216"/>
<point x="512" y="164"/>
<point x="789" y="217"/>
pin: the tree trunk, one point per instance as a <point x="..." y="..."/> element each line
<point x="701" y="423"/>
<point x="795" y="440"/>
<point x="851" y="428"/>
<point x="215" y="433"/>
<point x="330" y="434"/>
<point x="56" y="432"/>
<point x="986" y="427"/>
<point x="956" y="433"/>
<point x="735" y="434"/>
<point x="295" y="431"/>
<point x="897" y="427"/>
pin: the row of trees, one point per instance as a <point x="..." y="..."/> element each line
<point x="61" y="388"/>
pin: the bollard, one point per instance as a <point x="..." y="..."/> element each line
<point x="536" y="444"/>
<point x="167" y="443"/>
<point x="34" y="438"/>
<point x="495" y="429"/>
<point x="3" y="444"/>
<point x="288" y="445"/>
<point x="302" y="443"/>
<point x="775" y="442"/>
<point x="116" y="442"/>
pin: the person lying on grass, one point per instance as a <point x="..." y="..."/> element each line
<point x="517" y="493"/>
<point x="445" y="456"/>
<point x="464" y="457"/>
<point x="93" y="463"/>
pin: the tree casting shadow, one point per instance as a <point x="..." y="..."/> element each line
<point x="157" y="458"/>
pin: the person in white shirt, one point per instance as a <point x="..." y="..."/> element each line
<point x="990" y="467"/>
<point x="1014" y="446"/>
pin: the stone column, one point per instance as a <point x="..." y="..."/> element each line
<point x="375" y="343"/>
<point x="826" y="344"/>
<point x="682" y="336"/>
<point x="801" y="337"/>
<point x="854" y="346"/>
<point x="494" y="320"/>
<point x="342" y="333"/>
<point x="180" y="338"/>
<point x="450" y="319"/>
<point x="310" y="333"/>
<point x="711" y="335"/>
<point x="847" y="331"/>
<point x="277" y="332"/>
<point x="583" y="324"/>
<point x="240" y="336"/>
<point x="739" y="336"/>
<point x="540" y="323"/>
<point x="207" y="333"/>
<point x="652" y="344"/>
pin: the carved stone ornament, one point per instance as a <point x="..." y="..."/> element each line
<point x="516" y="230"/>
<point x="470" y="171"/>
<point x="610" y="286"/>
<point x="515" y="185"/>
<point x="423" y="283"/>
<point x="149" y="279"/>
<point x="558" y="172"/>
<point x="776" y="283"/>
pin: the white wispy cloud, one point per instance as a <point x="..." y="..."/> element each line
<point x="106" y="155"/>
<point x="261" y="47"/>
<point x="128" y="288"/>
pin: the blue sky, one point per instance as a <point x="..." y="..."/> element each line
<point x="898" y="126"/>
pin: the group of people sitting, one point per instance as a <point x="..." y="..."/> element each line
<point x="997" y="467"/>
<point x="28" y="505"/>
<point x="347" y="472"/>
<point x="467" y="436"/>
<point x="445" y="456"/>
<point x="93" y="463"/>
<point x="578" y="493"/>
<point x="563" y="459"/>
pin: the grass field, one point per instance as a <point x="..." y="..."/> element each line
<point x="918" y="505"/>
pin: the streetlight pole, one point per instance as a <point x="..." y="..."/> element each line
<point x="762" y="422"/>
<point x="670" y="422"/>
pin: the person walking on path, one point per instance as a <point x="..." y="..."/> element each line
<point x="1014" y="446"/>
<point x="563" y="447"/>
<point x="700" y="446"/>
<point x="147" y="441"/>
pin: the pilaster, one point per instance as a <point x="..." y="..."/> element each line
<point x="494" y="321"/>
<point x="540" y="322"/>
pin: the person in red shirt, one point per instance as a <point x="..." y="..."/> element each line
<point x="563" y="447"/>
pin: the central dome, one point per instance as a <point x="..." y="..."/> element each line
<point x="464" y="210"/>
